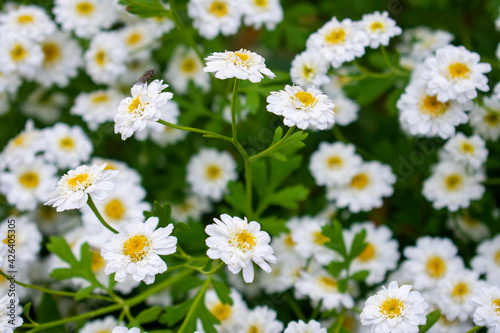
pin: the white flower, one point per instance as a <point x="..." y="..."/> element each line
<point x="27" y="239"/>
<point x="455" y="73"/>
<point x="61" y="58"/>
<point x="237" y="243"/>
<point x="23" y="147"/>
<point x="105" y="58"/>
<point x="138" y="39"/>
<point x="423" y="115"/>
<point x="146" y="103"/>
<point x="262" y="12"/>
<point x="469" y="151"/>
<point x="484" y="122"/>
<point x="487" y="303"/>
<point x="185" y="66"/>
<point x="395" y="310"/>
<point x="31" y="22"/>
<point x="371" y="182"/>
<point x="466" y="228"/>
<point x="9" y="314"/>
<point x="230" y="316"/>
<point x="380" y="255"/>
<point x="309" y="69"/>
<point x="99" y="325"/>
<point x="126" y="174"/>
<point x="380" y="28"/>
<point x="301" y="327"/>
<point x="66" y="146"/>
<point x="97" y="107"/>
<point x="304" y="109"/>
<point x="28" y="184"/>
<point x="262" y="319"/>
<point x="452" y="187"/>
<point x="85" y="17"/>
<point x="346" y="110"/>
<point x="45" y="107"/>
<point x="431" y="260"/>
<point x="242" y="64"/>
<point x="9" y="82"/>
<point x="20" y="54"/>
<point x="123" y="329"/>
<point x="136" y="250"/>
<point x="334" y="163"/>
<point x="486" y="260"/>
<point x="74" y="187"/>
<point x="211" y="17"/>
<point x="338" y="42"/>
<point x="209" y="171"/>
<point x="193" y="207"/>
<point x="164" y="135"/>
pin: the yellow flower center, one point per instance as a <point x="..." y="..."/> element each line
<point x="243" y="240"/>
<point x="305" y="98"/>
<point x="327" y="283"/>
<point x="497" y="257"/>
<point x="467" y="148"/>
<point x="334" y="162"/>
<point x="243" y="56"/>
<point x="436" y="267"/>
<point x="100" y="58"/>
<point x="319" y="238"/>
<point x="136" y="247"/>
<point x="110" y="166"/>
<point x="458" y="70"/>
<point x="377" y="26"/>
<point x="289" y="241"/>
<point x="29" y="179"/>
<point x="368" y="253"/>
<point x="391" y="307"/>
<point x="18" y="53"/>
<point x="470" y="221"/>
<point x="100" y="97"/>
<point x="460" y="290"/>
<point x="134" y="38"/>
<point x="67" y="143"/>
<point x="136" y="102"/>
<point x="78" y="180"/>
<point x="307" y="71"/>
<point x="84" y="8"/>
<point x="114" y="209"/>
<point x="47" y="213"/>
<point x="19" y="140"/>
<point x="25" y="19"/>
<point x="453" y="182"/>
<point x="97" y="261"/>
<point x="360" y="181"/>
<point x="254" y="329"/>
<point x="188" y="65"/>
<point x="51" y="52"/>
<point x="218" y="8"/>
<point x="261" y="3"/>
<point x="431" y="106"/>
<point x="496" y="305"/>
<point x="221" y="311"/>
<point x="213" y="172"/>
<point x="336" y="36"/>
<point x="491" y="119"/>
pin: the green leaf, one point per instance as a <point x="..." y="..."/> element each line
<point x="145" y="8"/>
<point x="260" y="177"/>
<point x="236" y="197"/>
<point x="278" y="134"/>
<point x="163" y="212"/>
<point x="48" y="311"/>
<point x="223" y="292"/>
<point x="279" y="171"/>
<point x="369" y="89"/>
<point x="358" y="244"/>
<point x="26" y="312"/>
<point x="335" y="267"/>
<point x="336" y="238"/>
<point x="181" y="228"/>
<point x="83" y="293"/>
<point x="360" y="276"/>
<point x="174" y="314"/>
<point x="252" y="101"/>
<point x="432" y="318"/>
<point x="342" y="285"/>
<point x="289" y="196"/>
<point x="279" y="156"/>
<point x="273" y="225"/>
<point x="293" y="143"/>
<point x="148" y="315"/>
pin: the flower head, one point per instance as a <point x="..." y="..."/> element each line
<point x="211" y="17"/>
<point x="486" y="300"/>
<point x="8" y="323"/>
<point x="380" y="28"/>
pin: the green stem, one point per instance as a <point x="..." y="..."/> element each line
<point x="92" y="206"/>
<point x="475" y="329"/>
<point x="233" y="108"/>
<point x="276" y="145"/>
<point x="389" y="62"/>
<point x="207" y="134"/>
<point x="55" y="292"/>
<point x="199" y="298"/>
<point x="248" y="183"/>
<point x="292" y="303"/>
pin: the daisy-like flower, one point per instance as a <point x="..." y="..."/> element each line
<point x="99" y="325"/>
<point x="424" y="115"/>
<point x="454" y="74"/>
<point x="105" y="58"/>
<point x="242" y="64"/>
<point x="66" y="146"/>
<point x="193" y="207"/>
<point x="486" y="260"/>
<point x="466" y="227"/>
<point x="138" y="39"/>
<point x="380" y="28"/>
<point x="371" y="182"/>
<point x="302" y="108"/>
<point x="334" y="163"/>
<point x="9" y="318"/>
<point x="20" y="54"/>
<point x="126" y="174"/>
<point x="28" y="239"/>
<point x="23" y="147"/>
<point x="209" y="171"/>
<point x="395" y="309"/>
<point x="485" y="122"/>
<point x="379" y="256"/>
<point x="185" y="66"/>
<point x="123" y="329"/>
<point x="61" y="58"/>
<point x="239" y="243"/>
<point x="136" y="250"/>
<point x="44" y="106"/>
<point x="301" y="327"/>
<point x="262" y="12"/>
<point x="452" y="187"/>
<point x="97" y="107"/>
<point x="346" y="110"/>
<point x="431" y="260"/>
<point x="9" y="82"/>
<point x="469" y="151"/>
<point x="74" y="187"/>
<point x="486" y="301"/>
<point x="229" y="315"/>
<point x="31" y="22"/>
<point x="309" y="69"/>
<point x="339" y="42"/>
<point x="28" y="184"/>
<point x="146" y="103"/>
<point x="211" y="17"/>
<point x="85" y="17"/>
<point x="262" y="319"/>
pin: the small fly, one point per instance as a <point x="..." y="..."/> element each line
<point x="146" y="76"/>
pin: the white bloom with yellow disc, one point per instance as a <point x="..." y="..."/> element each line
<point x="469" y="151"/>
<point x="380" y="28"/>
<point x="211" y="17"/>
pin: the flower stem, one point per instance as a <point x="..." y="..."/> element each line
<point x="475" y="329"/>
<point x="276" y="145"/>
<point x="92" y="206"/>
<point x="199" y="298"/>
<point x="207" y="134"/>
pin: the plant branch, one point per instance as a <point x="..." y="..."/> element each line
<point x="92" y="206"/>
<point x="207" y="134"/>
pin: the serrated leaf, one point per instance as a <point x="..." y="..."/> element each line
<point x="163" y="212"/>
<point x="360" y="276"/>
<point x="148" y="315"/>
<point x="48" y="311"/>
<point x="293" y="143"/>
<point x="358" y="244"/>
<point x="279" y="171"/>
<point x="236" y="197"/>
<point x="223" y="292"/>
<point x="279" y="156"/>
<point x="289" y="196"/>
<point x="336" y="238"/>
<point x="273" y="225"/>
<point x="432" y="318"/>
<point x="342" y="285"/>
<point x="181" y="228"/>
<point x="278" y="134"/>
<point x="145" y="8"/>
<point x="173" y="314"/>
<point x="26" y="312"/>
<point x="335" y="267"/>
